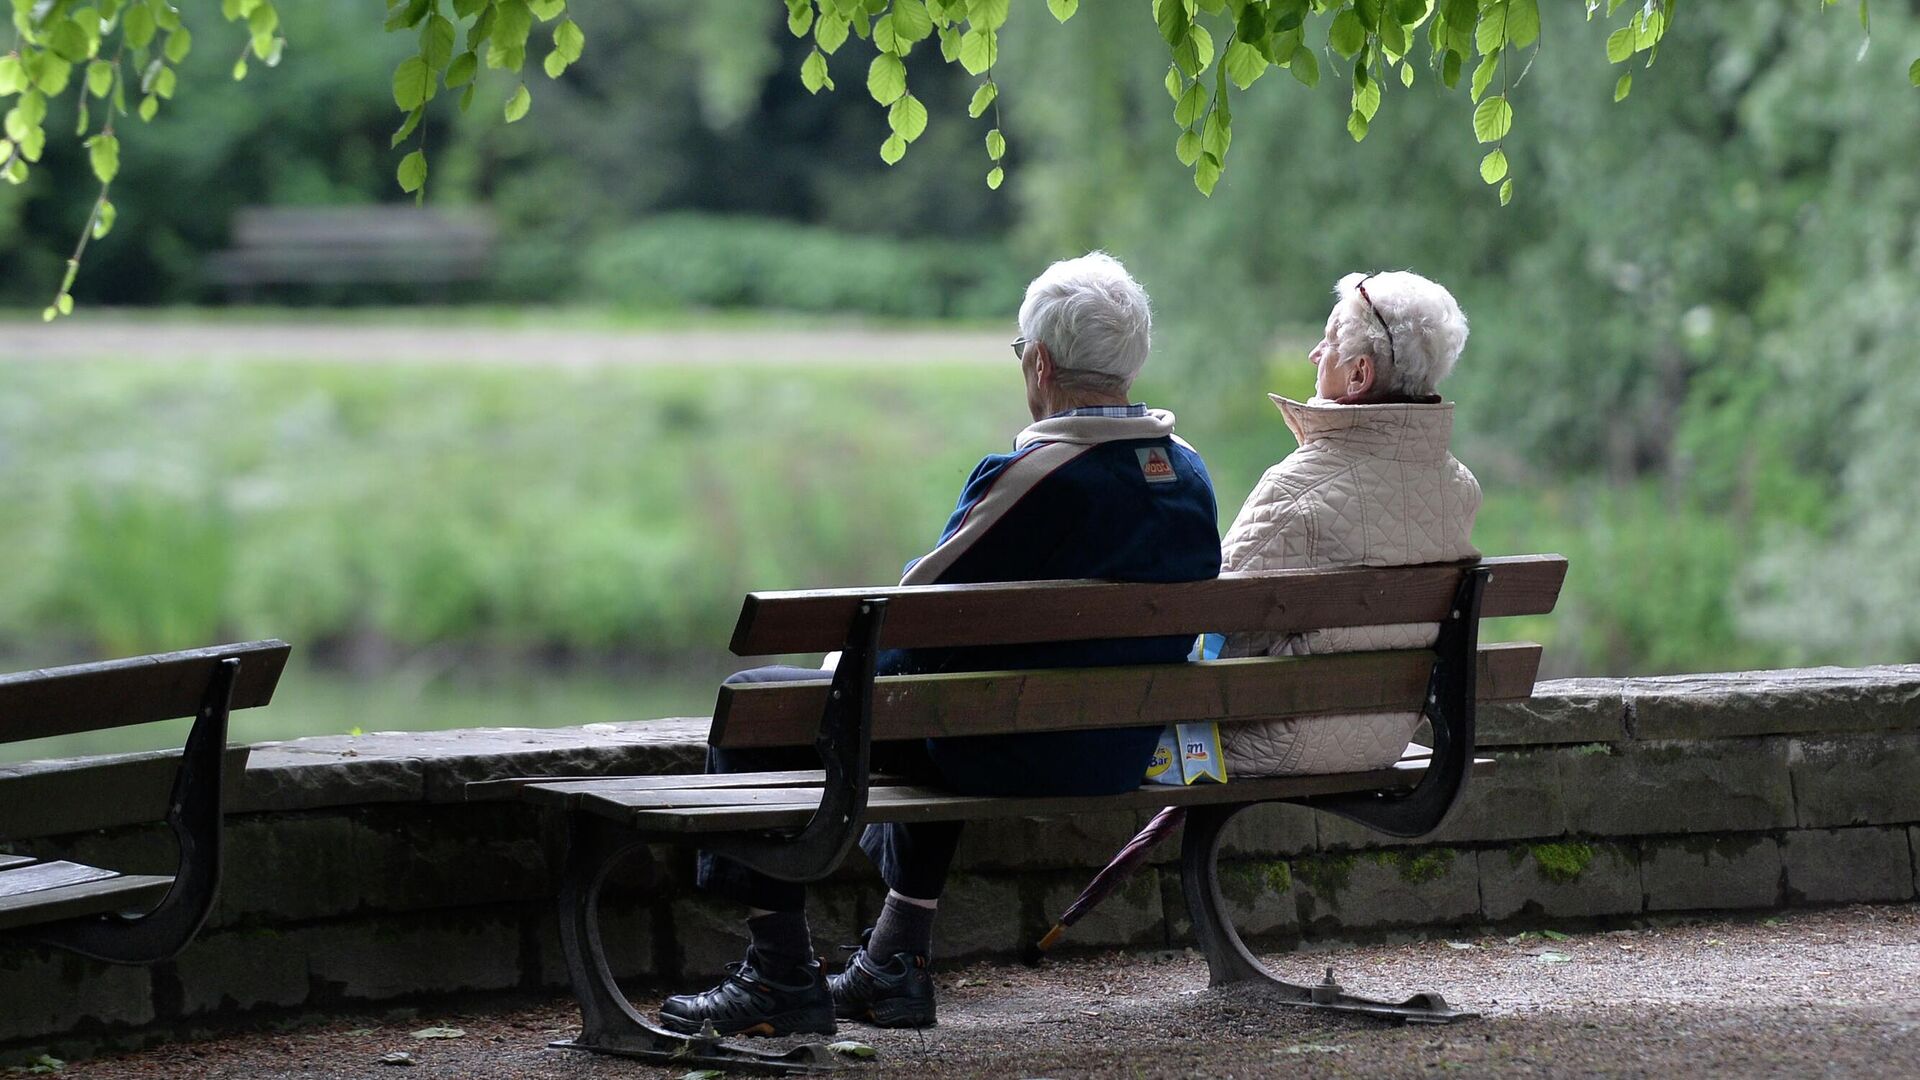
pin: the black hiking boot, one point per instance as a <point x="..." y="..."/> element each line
<point x="894" y="994"/>
<point x="748" y="1003"/>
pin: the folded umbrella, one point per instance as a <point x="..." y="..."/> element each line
<point x="1125" y="861"/>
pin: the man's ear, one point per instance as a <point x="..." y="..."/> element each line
<point x="1043" y="368"/>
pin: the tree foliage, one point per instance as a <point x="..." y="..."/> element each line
<point x="111" y="52"/>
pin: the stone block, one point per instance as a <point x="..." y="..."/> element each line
<point x="980" y="914"/>
<point x="1397" y="887"/>
<point x="1775" y="702"/>
<point x="1268" y="831"/>
<point x="443" y="952"/>
<point x="414" y="857"/>
<point x="1260" y="897"/>
<point x="294" y="867"/>
<point x="1855" y="780"/>
<point x="1711" y="873"/>
<point x="1835" y="866"/>
<point x="626" y="930"/>
<point x="1560" y="711"/>
<point x="1029" y="843"/>
<point x="1524" y="798"/>
<point x="282" y="776"/>
<point x="240" y="969"/>
<point x="1131" y="916"/>
<point x="1559" y="880"/>
<point x="708" y="935"/>
<point x="1647" y="789"/>
<point x="44" y="992"/>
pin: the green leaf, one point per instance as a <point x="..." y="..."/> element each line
<point x="436" y="43"/>
<point x="911" y="23"/>
<point x="1492" y="119"/>
<point x="1187" y="148"/>
<point x="1244" y="64"/>
<point x="413" y="171"/>
<point x="163" y="83"/>
<point x="1491" y="33"/>
<point x="978" y="51"/>
<point x="1450" y="69"/>
<point x="1913" y="73"/>
<point x="1406" y="75"/>
<point x="1357" y="125"/>
<point x="1171" y="15"/>
<point x="1347" y="34"/>
<point x="1523" y="22"/>
<point x="512" y="23"/>
<point x="1625" y="86"/>
<point x="1305" y="67"/>
<point x="996" y="145"/>
<point x="1366" y="95"/>
<point x="466" y="96"/>
<point x="1483" y="73"/>
<point x="886" y="78"/>
<point x="179" y="44"/>
<point x="149" y="105"/>
<point x="907" y="118"/>
<point x="893" y="149"/>
<point x="1191" y="104"/>
<point x="991" y="14"/>
<point x="137" y="26"/>
<point x="813" y="73"/>
<point x="519" y="103"/>
<point x="413" y="84"/>
<point x="399" y="15"/>
<point x="239" y="69"/>
<point x="1493" y="167"/>
<point x="799" y="17"/>
<point x="849" y="1048"/>
<point x="1174" y="82"/>
<point x="994" y="177"/>
<point x="1620" y="44"/>
<point x="103" y="151"/>
<point x="406" y="128"/>
<point x="99" y="78"/>
<point x="569" y="41"/>
<point x="13" y="77"/>
<point x="982" y="99"/>
<point x="263" y="19"/>
<point x="1217" y="134"/>
<point x="103" y="224"/>
<point x="461" y="71"/>
<point x="1206" y="174"/>
<point x="829" y="32"/>
<point x="1506" y="191"/>
<point x="1063" y="9"/>
<point x="545" y="10"/>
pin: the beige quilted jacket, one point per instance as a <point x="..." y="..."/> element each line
<point x="1370" y="485"/>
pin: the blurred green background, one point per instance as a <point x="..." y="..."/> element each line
<point x="1691" y="368"/>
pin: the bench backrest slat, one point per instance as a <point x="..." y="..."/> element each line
<point x="118" y="693"/>
<point x="1281" y="601"/>
<point x="1055" y="699"/>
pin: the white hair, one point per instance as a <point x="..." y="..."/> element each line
<point x="1413" y="329"/>
<point x="1093" y="317"/>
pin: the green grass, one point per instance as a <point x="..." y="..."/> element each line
<point x="495" y="525"/>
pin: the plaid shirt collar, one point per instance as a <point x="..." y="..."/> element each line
<point x="1133" y="411"/>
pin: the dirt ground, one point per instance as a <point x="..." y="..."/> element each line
<point x="1828" y="993"/>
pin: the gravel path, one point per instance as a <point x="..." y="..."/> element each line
<point x="1828" y="993"/>
<point x="109" y="335"/>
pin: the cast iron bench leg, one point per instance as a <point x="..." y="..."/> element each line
<point x="1229" y="960"/>
<point x="194" y="814"/>
<point x="609" y="1022"/>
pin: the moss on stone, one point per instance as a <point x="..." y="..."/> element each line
<point x="1561" y="863"/>
<point x="1594" y="748"/>
<point x="1277" y="875"/>
<point x="1417" y="867"/>
<point x="1327" y="876"/>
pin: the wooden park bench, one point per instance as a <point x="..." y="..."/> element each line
<point x="797" y="826"/>
<point x="85" y="908"/>
<point x="352" y="245"/>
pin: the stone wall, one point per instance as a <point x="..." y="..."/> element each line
<point x="357" y="876"/>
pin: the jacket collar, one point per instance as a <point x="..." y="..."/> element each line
<point x="1088" y="430"/>
<point x="1401" y="432"/>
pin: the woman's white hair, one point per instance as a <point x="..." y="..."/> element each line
<point x="1093" y="317"/>
<point x="1413" y="328"/>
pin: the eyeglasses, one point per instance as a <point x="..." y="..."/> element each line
<point x="1020" y="347"/>
<point x="1361" y="288"/>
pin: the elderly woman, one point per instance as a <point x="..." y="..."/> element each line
<point x="1372" y="484"/>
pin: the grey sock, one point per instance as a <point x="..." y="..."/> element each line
<point x="780" y="945"/>
<point x="902" y="928"/>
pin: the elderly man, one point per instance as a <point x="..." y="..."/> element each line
<point x="1096" y="487"/>
<point x="1372" y="484"/>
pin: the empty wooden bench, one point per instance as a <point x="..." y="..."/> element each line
<point x="86" y="908"/>
<point x="353" y="245"/>
<point x="797" y="826"/>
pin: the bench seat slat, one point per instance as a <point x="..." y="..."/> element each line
<point x="565" y="792"/>
<point x="140" y="690"/>
<point x="7" y="861"/>
<point x="1281" y="601"/>
<point x="114" y="892"/>
<point x="48" y="875"/>
<point x="640" y="810"/>
<point x="1152" y="695"/>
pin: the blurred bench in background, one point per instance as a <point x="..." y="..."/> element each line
<point x="353" y="245"/>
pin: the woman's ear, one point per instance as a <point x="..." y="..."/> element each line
<point x="1361" y="377"/>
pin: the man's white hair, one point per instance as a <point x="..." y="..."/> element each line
<point x="1092" y="316"/>
<point x="1427" y="328"/>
